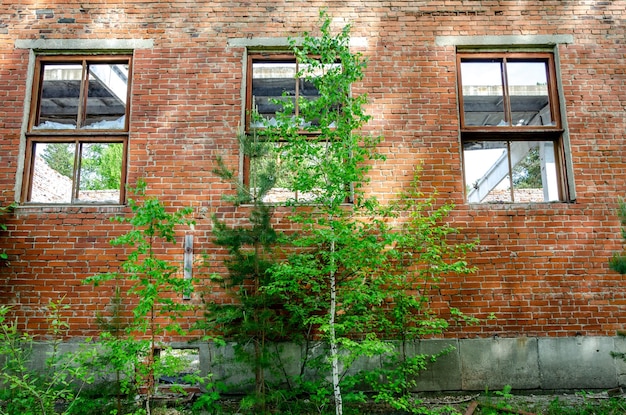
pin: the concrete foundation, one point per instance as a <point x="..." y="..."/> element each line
<point x="472" y="365"/>
<point x="476" y="364"/>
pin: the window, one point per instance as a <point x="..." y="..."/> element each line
<point x="274" y="87"/>
<point x="511" y="127"/>
<point x="78" y="130"/>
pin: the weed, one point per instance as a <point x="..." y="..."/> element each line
<point x="32" y="392"/>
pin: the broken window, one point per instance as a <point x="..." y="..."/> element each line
<point x="182" y="365"/>
<point x="510" y="128"/>
<point x="279" y="88"/>
<point x="78" y="130"/>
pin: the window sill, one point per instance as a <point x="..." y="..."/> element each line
<point x="37" y="208"/>
<point x="506" y="205"/>
<point x="295" y="204"/>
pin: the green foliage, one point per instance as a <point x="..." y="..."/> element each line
<point x="101" y="163"/>
<point x="612" y="406"/>
<point x="384" y="274"/>
<point x="37" y="392"/>
<point x="60" y="157"/>
<point x="527" y="173"/>
<point x="357" y="277"/>
<point x="154" y="292"/>
<point x="618" y="261"/>
<point x="208" y="402"/>
<point x="360" y="275"/>
<point x="3" y="226"/>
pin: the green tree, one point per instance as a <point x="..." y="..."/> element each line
<point x="353" y="275"/>
<point x="155" y="288"/>
<point x="60" y="157"/>
<point x="348" y="260"/>
<point x="255" y="317"/>
<point x="527" y="173"/>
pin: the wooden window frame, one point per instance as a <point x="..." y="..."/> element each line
<point x="504" y="57"/>
<point x="265" y="57"/>
<point x="273" y="57"/>
<point x="76" y="135"/>
<point x="511" y="133"/>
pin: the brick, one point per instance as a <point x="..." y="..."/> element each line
<point x="537" y="265"/>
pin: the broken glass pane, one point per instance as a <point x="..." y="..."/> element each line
<point x="60" y="93"/>
<point x="106" y="96"/>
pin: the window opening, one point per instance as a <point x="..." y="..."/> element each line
<point x="506" y="92"/>
<point x="510" y="128"/>
<point x="510" y="171"/>
<point x="276" y="83"/>
<point x="183" y="363"/>
<point x="78" y="130"/>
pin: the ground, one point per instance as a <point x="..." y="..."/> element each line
<point x="525" y="403"/>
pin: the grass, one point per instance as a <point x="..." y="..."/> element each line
<point x="582" y="403"/>
<point x="612" y="406"/>
<point x="503" y="403"/>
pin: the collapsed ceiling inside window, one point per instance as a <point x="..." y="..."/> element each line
<point x="105" y="101"/>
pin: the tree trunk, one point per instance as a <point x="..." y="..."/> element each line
<point x="334" y="352"/>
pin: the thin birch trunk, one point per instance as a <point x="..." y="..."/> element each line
<point x="334" y="352"/>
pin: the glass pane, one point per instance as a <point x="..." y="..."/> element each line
<point x="52" y="173"/>
<point x="483" y="100"/>
<point x="528" y="91"/>
<point x="106" y="96"/>
<point x="100" y="172"/>
<point x="272" y="82"/>
<point x="486" y="168"/>
<point x="60" y="92"/>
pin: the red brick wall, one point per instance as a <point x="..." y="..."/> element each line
<point x="542" y="269"/>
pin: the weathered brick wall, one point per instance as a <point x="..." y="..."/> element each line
<point x="542" y="268"/>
